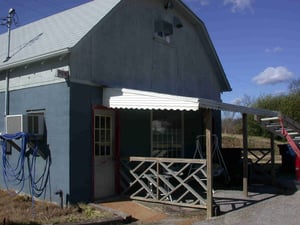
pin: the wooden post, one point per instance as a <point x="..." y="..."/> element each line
<point x="208" y="135"/>
<point x="245" y="155"/>
<point x="157" y="180"/>
<point x="272" y="159"/>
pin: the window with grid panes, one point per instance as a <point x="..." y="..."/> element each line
<point x="103" y="135"/>
<point x="167" y="134"/>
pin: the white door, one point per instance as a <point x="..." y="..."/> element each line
<point x="104" y="159"/>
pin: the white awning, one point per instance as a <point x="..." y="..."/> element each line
<point x="135" y="99"/>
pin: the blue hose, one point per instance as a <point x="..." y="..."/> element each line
<point x="16" y="174"/>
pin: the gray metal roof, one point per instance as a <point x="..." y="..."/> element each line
<point x="54" y="34"/>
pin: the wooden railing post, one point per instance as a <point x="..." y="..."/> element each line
<point x="245" y="155"/>
<point x="273" y="159"/>
<point x="208" y="131"/>
<point x="157" y="179"/>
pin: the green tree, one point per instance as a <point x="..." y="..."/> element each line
<point x="294" y="86"/>
<point x="287" y="104"/>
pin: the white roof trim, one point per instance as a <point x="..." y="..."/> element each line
<point x="36" y="58"/>
<point x="135" y="99"/>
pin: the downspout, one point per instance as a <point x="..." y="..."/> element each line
<point x="6" y="97"/>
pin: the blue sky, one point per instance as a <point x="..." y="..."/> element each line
<point x="257" y="41"/>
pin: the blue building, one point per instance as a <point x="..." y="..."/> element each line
<point x="106" y="80"/>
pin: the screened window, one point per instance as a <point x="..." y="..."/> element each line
<point x="103" y="135"/>
<point x="35" y="124"/>
<point x="163" y="30"/>
<point x="167" y="134"/>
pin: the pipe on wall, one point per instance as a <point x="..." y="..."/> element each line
<point x="6" y="97"/>
<point x="9" y="21"/>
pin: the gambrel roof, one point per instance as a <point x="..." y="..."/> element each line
<point x="57" y="34"/>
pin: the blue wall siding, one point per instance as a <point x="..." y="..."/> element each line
<point x="193" y="126"/>
<point x="54" y="99"/>
<point x="135" y="133"/>
<point x="83" y="98"/>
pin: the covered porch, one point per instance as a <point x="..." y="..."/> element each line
<point x="181" y="181"/>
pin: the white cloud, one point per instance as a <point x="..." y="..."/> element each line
<point x="204" y="2"/>
<point x="273" y="75"/>
<point x="239" y="5"/>
<point x="201" y="2"/>
<point x="274" y="50"/>
<point x="236" y="101"/>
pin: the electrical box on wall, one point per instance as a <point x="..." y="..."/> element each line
<point x="30" y="123"/>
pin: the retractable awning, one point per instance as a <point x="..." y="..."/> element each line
<point x="124" y="98"/>
<point x="135" y="99"/>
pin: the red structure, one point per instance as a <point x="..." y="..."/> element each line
<point x="297" y="168"/>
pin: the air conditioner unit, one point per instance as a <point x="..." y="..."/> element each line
<point x="15" y="124"/>
<point x="30" y="123"/>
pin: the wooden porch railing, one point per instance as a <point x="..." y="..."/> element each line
<point x="173" y="181"/>
<point x="261" y="160"/>
<point x="260" y="155"/>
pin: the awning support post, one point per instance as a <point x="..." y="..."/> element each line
<point x="273" y="159"/>
<point x="208" y="135"/>
<point x="245" y="155"/>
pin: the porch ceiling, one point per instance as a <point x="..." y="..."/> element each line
<point x="135" y="99"/>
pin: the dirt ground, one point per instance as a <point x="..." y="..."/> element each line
<point x="145" y="213"/>
<point x="20" y="209"/>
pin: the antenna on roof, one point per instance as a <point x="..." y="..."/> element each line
<point x="8" y="22"/>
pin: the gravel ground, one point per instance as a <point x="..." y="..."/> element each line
<point x="266" y="204"/>
<point x="275" y="209"/>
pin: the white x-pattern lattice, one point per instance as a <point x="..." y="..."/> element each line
<point x="167" y="180"/>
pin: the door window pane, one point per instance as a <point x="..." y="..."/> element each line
<point x="102" y="122"/>
<point x="97" y="136"/>
<point x="108" y="122"/>
<point x="97" y="122"/>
